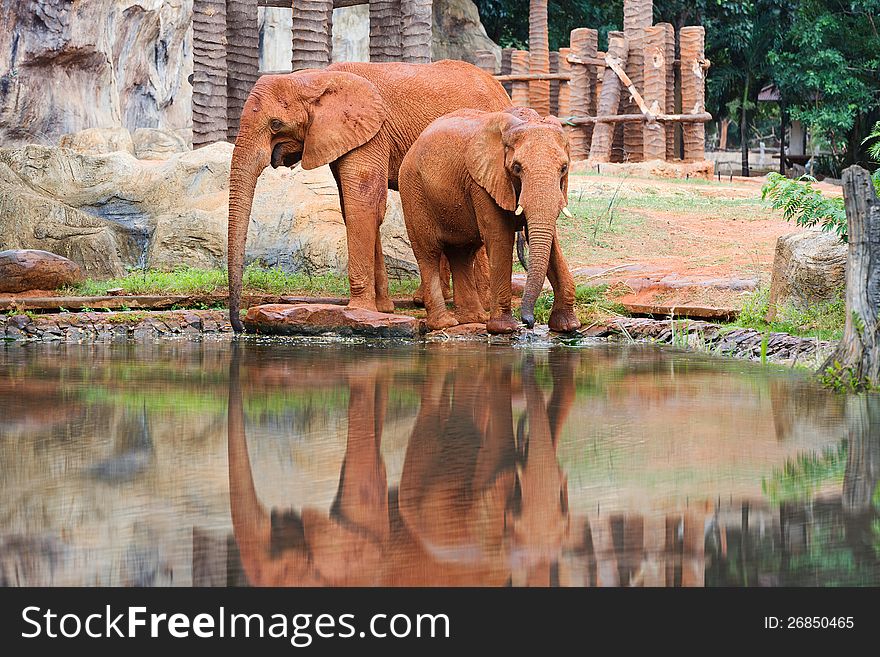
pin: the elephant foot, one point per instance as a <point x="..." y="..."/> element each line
<point x="472" y="316"/>
<point x="418" y="299"/>
<point x="504" y="324"/>
<point x="385" y="305"/>
<point x="563" y="320"/>
<point x="442" y="321"/>
<point x="362" y="304"/>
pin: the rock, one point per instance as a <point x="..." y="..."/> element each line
<point x="808" y="266"/>
<point x="460" y="332"/>
<point x="66" y="66"/>
<point x="111" y="211"/>
<point x="99" y="140"/>
<point x="458" y="32"/>
<point x="30" y="269"/>
<point x="155" y="144"/>
<point x="316" y="319"/>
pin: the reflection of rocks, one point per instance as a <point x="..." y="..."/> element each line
<point x="29" y="269"/>
<point x="112" y="211"/>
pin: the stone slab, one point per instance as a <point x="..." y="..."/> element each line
<point x="322" y="318"/>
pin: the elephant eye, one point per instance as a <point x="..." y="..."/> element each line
<point x="564" y="169"/>
<point x="517" y="168"/>
<point x="275" y="125"/>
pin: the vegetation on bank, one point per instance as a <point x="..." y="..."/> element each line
<point x="195" y="281"/>
<point x="823" y="320"/>
<point x="592" y="304"/>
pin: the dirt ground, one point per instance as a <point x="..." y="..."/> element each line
<point x="673" y="242"/>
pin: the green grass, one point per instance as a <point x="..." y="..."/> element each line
<point x="194" y="281"/>
<point x="590" y="302"/>
<point x="823" y="319"/>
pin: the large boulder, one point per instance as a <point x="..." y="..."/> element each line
<point x="157" y="144"/>
<point x="30" y="269"/>
<point x="112" y="211"/>
<point x="458" y="32"/>
<point x="808" y="266"/>
<point x="65" y="66"/>
<point x="99" y="140"/>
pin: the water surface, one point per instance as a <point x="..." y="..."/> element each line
<point x="296" y="463"/>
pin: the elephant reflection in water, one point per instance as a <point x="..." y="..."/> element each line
<point x="477" y="504"/>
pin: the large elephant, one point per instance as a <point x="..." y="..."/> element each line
<point x="360" y="119"/>
<point x="466" y="182"/>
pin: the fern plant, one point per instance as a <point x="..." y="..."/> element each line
<point x="874" y="149"/>
<point x="801" y="202"/>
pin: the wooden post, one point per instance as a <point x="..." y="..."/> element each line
<point x="417" y="17"/>
<point x="539" y="56"/>
<point x="519" y="64"/>
<point x="693" y="90"/>
<point x="485" y="59"/>
<point x="385" y="35"/>
<point x="242" y="58"/>
<point x="654" y="72"/>
<point x="209" y="72"/>
<point x="563" y="101"/>
<point x="554" y="84"/>
<point x="857" y="357"/>
<point x="505" y="69"/>
<point x="670" y="89"/>
<point x="312" y="34"/>
<point x="637" y="15"/>
<point x="584" y="44"/>
<point x="609" y="101"/>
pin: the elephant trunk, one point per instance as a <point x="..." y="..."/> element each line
<point x="248" y="161"/>
<point x="542" y="206"/>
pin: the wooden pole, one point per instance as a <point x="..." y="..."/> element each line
<point x="637" y="15"/>
<point x="539" y="56"/>
<point x="554" y="84"/>
<point x="693" y="89"/>
<point x="669" y="34"/>
<point x="654" y="75"/>
<point x="385" y="20"/>
<point x="312" y="34"/>
<point x="585" y="45"/>
<point x="519" y="65"/>
<point x="417" y="17"/>
<point x="485" y="59"/>
<point x="857" y="357"/>
<point x="563" y="105"/>
<point x="505" y="69"/>
<point x="609" y="101"/>
<point x="209" y="72"/>
<point x="242" y="58"/>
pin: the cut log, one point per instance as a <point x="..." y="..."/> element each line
<point x="539" y="57"/>
<point x="857" y="358"/>
<point x="609" y="100"/>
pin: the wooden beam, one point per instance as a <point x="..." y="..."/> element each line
<point x="637" y="118"/>
<point x="287" y="4"/>
<point x="521" y="77"/>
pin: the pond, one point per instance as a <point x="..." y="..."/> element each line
<point x="285" y="462"/>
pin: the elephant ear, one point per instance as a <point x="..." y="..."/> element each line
<point x="484" y="159"/>
<point x="345" y="112"/>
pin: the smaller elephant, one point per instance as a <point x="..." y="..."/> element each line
<point x="474" y="178"/>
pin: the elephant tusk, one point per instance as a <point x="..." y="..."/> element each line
<point x="519" y="210"/>
<point x="566" y="212"/>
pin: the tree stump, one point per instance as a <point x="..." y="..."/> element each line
<point x="539" y="57"/>
<point x="609" y="99"/>
<point x="856" y="361"/>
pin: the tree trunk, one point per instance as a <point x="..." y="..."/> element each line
<point x="242" y="58"/>
<point x="584" y="44"/>
<point x="692" y="45"/>
<point x="385" y="35"/>
<point x="209" y="72"/>
<point x="722" y="131"/>
<point x="312" y="44"/>
<point x="863" y="453"/>
<point x="539" y="57"/>
<point x="609" y="100"/>
<point x="782" y="121"/>
<point x="744" y="129"/>
<point x="417" y="16"/>
<point x="856" y="361"/>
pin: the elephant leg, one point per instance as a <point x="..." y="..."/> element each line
<point x="384" y="304"/>
<point x="419" y="296"/>
<point x="499" y="248"/>
<point x="481" y="278"/>
<point x="563" y="318"/>
<point x="439" y="316"/>
<point x="468" y="305"/>
<point x="364" y="201"/>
